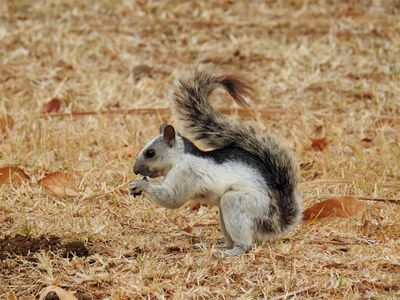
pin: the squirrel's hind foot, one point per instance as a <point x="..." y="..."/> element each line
<point x="221" y="252"/>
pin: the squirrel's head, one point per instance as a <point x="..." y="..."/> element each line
<point x="160" y="154"/>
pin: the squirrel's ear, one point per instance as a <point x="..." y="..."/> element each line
<point x="162" y="127"/>
<point x="169" y="135"/>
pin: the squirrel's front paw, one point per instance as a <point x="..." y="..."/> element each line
<point x="136" y="187"/>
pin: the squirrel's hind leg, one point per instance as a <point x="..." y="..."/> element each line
<point x="228" y="243"/>
<point x="238" y="224"/>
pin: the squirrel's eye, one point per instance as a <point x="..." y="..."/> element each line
<point x="150" y="153"/>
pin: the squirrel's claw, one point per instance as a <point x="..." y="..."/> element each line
<point x="136" y="187"/>
<point x="134" y="194"/>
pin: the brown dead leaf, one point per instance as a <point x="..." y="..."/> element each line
<point x="12" y="296"/>
<point x="346" y="206"/>
<point x="366" y="142"/>
<point x="13" y="175"/>
<point x="6" y="123"/>
<point x="319" y="144"/>
<point x="336" y="265"/>
<point x="55" y="292"/>
<point x="60" y="184"/>
<point x="188" y="229"/>
<point x="54" y="105"/>
<point x="365" y="286"/>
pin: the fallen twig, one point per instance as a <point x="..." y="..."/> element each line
<point x="328" y="181"/>
<point x="164" y="111"/>
<point x="391" y="200"/>
<point x="377" y="199"/>
<point x="341" y="243"/>
<point x="348" y="181"/>
<point x="243" y="112"/>
<point x="139" y="111"/>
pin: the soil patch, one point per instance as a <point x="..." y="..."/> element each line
<point x="77" y="248"/>
<point x="25" y="245"/>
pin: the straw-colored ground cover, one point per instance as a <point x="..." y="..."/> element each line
<point x="322" y="72"/>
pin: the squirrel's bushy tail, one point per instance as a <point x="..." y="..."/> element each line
<point x="203" y="123"/>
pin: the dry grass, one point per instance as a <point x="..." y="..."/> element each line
<point x="330" y="71"/>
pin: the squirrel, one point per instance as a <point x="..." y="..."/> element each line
<point x="251" y="177"/>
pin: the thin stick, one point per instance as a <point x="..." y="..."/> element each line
<point x="377" y="199"/>
<point x="284" y="296"/>
<point x="328" y="181"/>
<point x="205" y="225"/>
<point x="139" y="111"/>
<point x="163" y="111"/>
<point x="166" y="112"/>
<point x="392" y="200"/>
<point x="348" y="181"/>
<point x="341" y="243"/>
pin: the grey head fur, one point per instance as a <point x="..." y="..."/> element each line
<point x="160" y="154"/>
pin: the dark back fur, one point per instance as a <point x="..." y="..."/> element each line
<point x="201" y="122"/>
